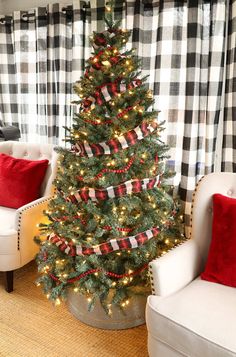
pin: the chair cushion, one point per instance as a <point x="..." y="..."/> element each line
<point x="197" y="321"/>
<point x="221" y="261"/>
<point x="8" y="232"/>
<point x="20" y="180"/>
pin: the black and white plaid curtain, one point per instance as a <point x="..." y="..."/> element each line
<point x="42" y="54"/>
<point x="182" y="47"/>
<point x="228" y="162"/>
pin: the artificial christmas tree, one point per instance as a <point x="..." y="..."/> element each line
<point x="112" y="212"/>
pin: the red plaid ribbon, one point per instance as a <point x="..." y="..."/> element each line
<point x="105" y="92"/>
<point x="114" y="145"/>
<point x="128" y="187"/>
<point x="108" y="90"/>
<point x="104" y="248"/>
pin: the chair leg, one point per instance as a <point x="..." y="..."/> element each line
<point x="9" y="281"/>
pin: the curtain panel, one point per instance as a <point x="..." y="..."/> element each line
<point x="181" y="45"/>
<point x="229" y="122"/>
<point x="42" y="55"/>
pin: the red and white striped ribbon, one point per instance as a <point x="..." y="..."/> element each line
<point x="112" y="245"/>
<point x="126" y="188"/>
<point x="112" y="146"/>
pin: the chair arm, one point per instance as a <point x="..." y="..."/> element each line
<point x="177" y="268"/>
<point x="27" y="219"/>
<point x="34" y="209"/>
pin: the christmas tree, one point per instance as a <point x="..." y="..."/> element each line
<point x="112" y="212"/>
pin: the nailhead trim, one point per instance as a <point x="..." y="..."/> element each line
<point x="20" y="217"/>
<point x="193" y="198"/>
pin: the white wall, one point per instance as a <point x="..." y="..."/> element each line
<point x="7" y="6"/>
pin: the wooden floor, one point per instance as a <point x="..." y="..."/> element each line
<point x="30" y="326"/>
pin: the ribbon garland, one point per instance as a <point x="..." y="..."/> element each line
<point x="107" y="228"/>
<point x="113" y="89"/>
<point x="105" y="93"/>
<point x="108" y="273"/>
<point x="128" y="187"/>
<point x="112" y="146"/>
<point x="118" y="116"/>
<point x="112" y="245"/>
<point x="116" y="171"/>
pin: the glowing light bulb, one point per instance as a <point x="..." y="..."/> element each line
<point x="58" y="301"/>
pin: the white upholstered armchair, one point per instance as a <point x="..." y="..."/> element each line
<point x="187" y="316"/>
<point x="19" y="226"/>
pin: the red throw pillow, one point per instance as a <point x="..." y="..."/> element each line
<point x="20" y="180"/>
<point x="221" y="262"/>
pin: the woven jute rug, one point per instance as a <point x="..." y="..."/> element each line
<point x="30" y="326"/>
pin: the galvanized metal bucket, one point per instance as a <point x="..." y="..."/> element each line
<point x="133" y="315"/>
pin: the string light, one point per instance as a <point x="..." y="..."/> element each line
<point x="58" y="301"/>
<point x="106" y="63"/>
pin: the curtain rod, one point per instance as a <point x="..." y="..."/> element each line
<point x="26" y="15"/>
<point x="68" y="9"/>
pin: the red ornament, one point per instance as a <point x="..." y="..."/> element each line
<point x="99" y="101"/>
<point x="114" y="60"/>
<point x="100" y="41"/>
<point x="97" y="65"/>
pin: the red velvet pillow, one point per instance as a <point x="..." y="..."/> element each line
<point x="20" y="180"/>
<point x="221" y="262"/>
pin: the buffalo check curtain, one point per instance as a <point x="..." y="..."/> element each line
<point x="182" y="46"/>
